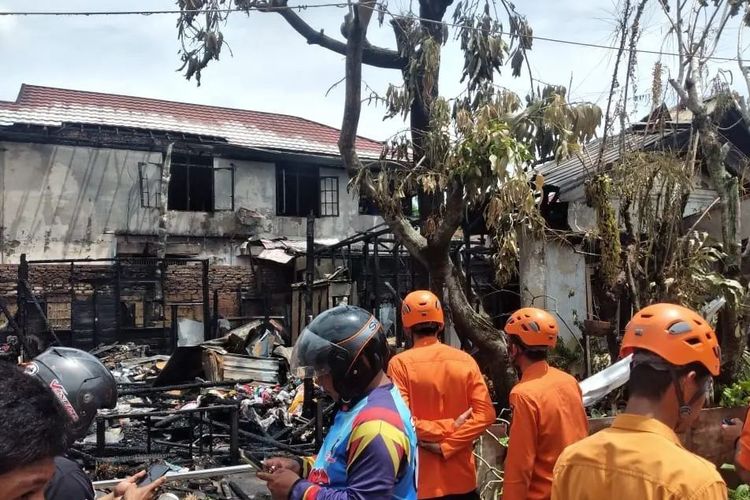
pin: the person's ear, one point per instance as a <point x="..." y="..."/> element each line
<point x="695" y="386"/>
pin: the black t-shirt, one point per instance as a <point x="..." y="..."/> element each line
<point x="69" y="482"/>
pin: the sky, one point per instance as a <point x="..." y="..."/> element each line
<point x="273" y="69"/>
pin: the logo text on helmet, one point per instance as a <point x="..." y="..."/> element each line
<point x="62" y="396"/>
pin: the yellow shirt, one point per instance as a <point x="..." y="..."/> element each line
<point x="637" y="458"/>
<point x="743" y="452"/>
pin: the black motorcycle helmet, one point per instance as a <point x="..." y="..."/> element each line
<point x="346" y="342"/>
<point x="80" y="381"/>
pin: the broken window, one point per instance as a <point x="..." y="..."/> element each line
<point x="294" y="196"/>
<point x="329" y="196"/>
<point x="149" y="178"/>
<point x="195" y="185"/>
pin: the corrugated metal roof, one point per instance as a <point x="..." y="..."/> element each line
<point x="570" y="173"/>
<point x="47" y="106"/>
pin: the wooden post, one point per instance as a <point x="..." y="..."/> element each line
<point x="308" y="404"/>
<point x="206" y="304"/>
<point x="397" y="298"/>
<point x="309" y="267"/>
<point x="376" y="276"/>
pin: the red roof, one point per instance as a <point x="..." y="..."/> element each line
<point x="50" y="106"/>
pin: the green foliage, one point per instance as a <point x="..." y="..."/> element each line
<point x="565" y="358"/>
<point x="599" y="193"/>
<point x="597" y="413"/>
<point x="695" y="279"/>
<point x="662" y="261"/>
<point x="741" y="493"/>
<point x="736" y="395"/>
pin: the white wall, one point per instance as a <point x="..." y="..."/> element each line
<point x="553" y="276"/>
<point x="711" y="223"/>
<point x="69" y="202"/>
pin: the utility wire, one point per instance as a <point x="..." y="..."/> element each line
<point x="271" y="8"/>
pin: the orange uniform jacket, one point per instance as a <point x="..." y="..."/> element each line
<point x="548" y="415"/>
<point x="439" y="383"/>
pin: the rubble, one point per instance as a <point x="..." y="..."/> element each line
<point x="219" y="403"/>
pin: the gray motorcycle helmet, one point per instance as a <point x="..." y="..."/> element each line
<point x="80" y="382"/>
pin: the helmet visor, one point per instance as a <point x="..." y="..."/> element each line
<point x="312" y="354"/>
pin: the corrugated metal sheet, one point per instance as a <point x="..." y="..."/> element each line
<point x="570" y="173"/>
<point x="48" y="106"/>
<point x="260" y="369"/>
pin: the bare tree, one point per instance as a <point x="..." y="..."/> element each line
<point x="697" y="27"/>
<point x="662" y="259"/>
<point x="470" y="154"/>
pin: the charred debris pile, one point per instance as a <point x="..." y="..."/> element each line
<point x="213" y="404"/>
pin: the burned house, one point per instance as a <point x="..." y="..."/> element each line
<point x="558" y="270"/>
<point x="129" y="210"/>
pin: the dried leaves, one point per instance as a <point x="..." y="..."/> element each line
<point x="664" y="262"/>
<point x="486" y="144"/>
<point x="198" y="30"/>
<point x="481" y="43"/>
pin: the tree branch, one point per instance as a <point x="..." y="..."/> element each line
<point x="680" y="91"/>
<point x="614" y="84"/>
<point x="371" y="55"/>
<point x="677" y="27"/>
<point x="746" y="74"/>
<point x="400" y="225"/>
<point x="717" y="35"/>
<point x="454" y="214"/>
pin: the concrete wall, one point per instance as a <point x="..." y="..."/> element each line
<point x="77" y="202"/>
<point x="711" y="222"/>
<point x="582" y="217"/>
<point x="553" y="276"/>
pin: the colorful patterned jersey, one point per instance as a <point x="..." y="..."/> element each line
<point x="369" y="453"/>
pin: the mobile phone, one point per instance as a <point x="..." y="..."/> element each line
<point x="154" y="472"/>
<point x="255" y="462"/>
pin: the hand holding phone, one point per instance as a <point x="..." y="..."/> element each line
<point x="154" y="472"/>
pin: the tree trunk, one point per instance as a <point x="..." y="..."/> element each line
<point x="433" y="253"/>
<point x="477" y="327"/>
<point x="733" y="341"/>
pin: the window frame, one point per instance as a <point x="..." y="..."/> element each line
<point x="189" y="162"/>
<point x="334" y="190"/>
<point x="147" y="201"/>
<point x="297" y="171"/>
<point x="231" y="168"/>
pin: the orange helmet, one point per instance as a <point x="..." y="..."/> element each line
<point x="421" y="306"/>
<point x="535" y="327"/>
<point x="675" y="333"/>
